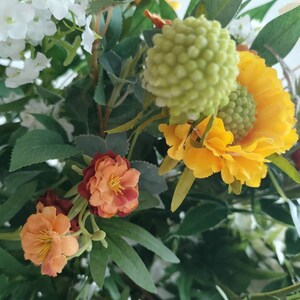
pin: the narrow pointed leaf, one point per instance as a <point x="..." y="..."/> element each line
<point x="183" y="186"/>
<point x="98" y="262"/>
<point x="284" y="165"/>
<point x="167" y="165"/>
<point x="140" y="235"/>
<point x="130" y="263"/>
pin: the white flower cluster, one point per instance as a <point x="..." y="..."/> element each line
<point x="29" y="21"/>
<point x="35" y="106"/>
<point x="245" y="30"/>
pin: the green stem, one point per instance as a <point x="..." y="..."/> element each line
<point x="81" y="220"/>
<point x="94" y="224"/>
<point x="277" y="186"/>
<point x="11" y="236"/>
<point x="277" y="293"/>
<point x="132" y="144"/>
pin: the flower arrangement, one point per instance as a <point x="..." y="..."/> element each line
<point x="146" y="155"/>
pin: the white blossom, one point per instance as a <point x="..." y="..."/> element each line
<point x="29" y="72"/>
<point x="14" y="17"/>
<point x="40" y="26"/>
<point x="79" y="10"/>
<point x="59" y="8"/>
<point x="11" y="48"/>
<point x="245" y="30"/>
<point x="88" y="36"/>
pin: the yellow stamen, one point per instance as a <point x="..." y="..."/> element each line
<point x="115" y="185"/>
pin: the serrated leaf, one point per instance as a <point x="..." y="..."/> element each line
<point x="140" y="235"/>
<point x="90" y="144"/>
<point x="280" y="35"/>
<point x="98" y="262"/>
<point x="130" y="263"/>
<point x="183" y="186"/>
<point x="16" y="201"/>
<point x="37" y="146"/>
<point x="52" y="125"/>
<point x="111" y="62"/>
<point x="149" y="178"/>
<point x="201" y="218"/>
<point x="147" y="200"/>
<point x="284" y="165"/>
<point x="117" y="143"/>
<point x="127" y="47"/>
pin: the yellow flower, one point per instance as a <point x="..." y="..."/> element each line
<point x="173" y="3"/>
<point x="243" y="161"/>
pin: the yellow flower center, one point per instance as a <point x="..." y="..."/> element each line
<point x="43" y="245"/>
<point x="115" y="185"/>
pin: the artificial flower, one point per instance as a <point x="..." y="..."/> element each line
<point x="242" y="160"/>
<point x="88" y="36"/>
<point x="156" y="20"/>
<point x="30" y="71"/>
<point x="62" y="206"/>
<point x="14" y="17"/>
<point x="110" y="185"/>
<point x="45" y="241"/>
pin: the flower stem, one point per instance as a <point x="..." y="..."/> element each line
<point x="11" y="236"/>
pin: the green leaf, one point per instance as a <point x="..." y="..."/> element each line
<point x="292" y="241"/>
<point x="139" y="22"/>
<point x="90" y="144"/>
<point x="191" y="7"/>
<point x="98" y="262"/>
<point x="259" y="12"/>
<point x="130" y="263"/>
<point x="114" y="29"/>
<point x="222" y="10"/>
<point x="52" y="125"/>
<point x="98" y="5"/>
<point x="284" y="165"/>
<point x="147" y="200"/>
<point x="183" y="186"/>
<point x="202" y="217"/>
<point x="99" y="95"/>
<point x="149" y="178"/>
<point x="280" y="35"/>
<point x="111" y="62"/>
<point x="17" y="105"/>
<point x="10" y="266"/>
<point x="37" y="146"/>
<point x="140" y="235"/>
<point x="16" y="180"/>
<point x="125" y="294"/>
<point x="166" y="11"/>
<point x="127" y="47"/>
<point x="117" y="143"/>
<point x="16" y="201"/>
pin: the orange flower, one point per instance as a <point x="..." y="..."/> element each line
<point x="45" y="242"/>
<point x="156" y="20"/>
<point x="110" y="185"/>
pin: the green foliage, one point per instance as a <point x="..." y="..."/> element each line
<point x="278" y="37"/>
<point x="212" y="244"/>
<point x="37" y="146"/>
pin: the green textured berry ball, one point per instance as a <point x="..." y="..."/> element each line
<point x="239" y="114"/>
<point x="192" y="68"/>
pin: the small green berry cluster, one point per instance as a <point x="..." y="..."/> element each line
<point x="239" y="114"/>
<point x="192" y="68"/>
